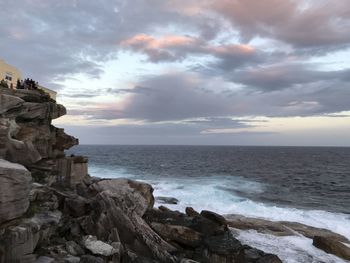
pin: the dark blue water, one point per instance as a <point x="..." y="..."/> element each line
<point x="303" y="177"/>
<point x="306" y="185"/>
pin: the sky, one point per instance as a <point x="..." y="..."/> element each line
<point x="197" y="72"/>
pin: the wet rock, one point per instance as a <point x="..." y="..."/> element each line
<point x="98" y="247"/>
<point x="281" y="228"/>
<point x="224" y="244"/>
<point x="15" y="183"/>
<point x="167" y="200"/>
<point x="219" y="219"/>
<point x="191" y="212"/>
<point x="252" y="255"/>
<point x="332" y="246"/>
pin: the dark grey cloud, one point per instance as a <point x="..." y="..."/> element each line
<point x="174" y="97"/>
<point x="196" y="100"/>
<point x="288" y="75"/>
<point x="303" y="24"/>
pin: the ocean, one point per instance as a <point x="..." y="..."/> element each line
<point x="310" y="185"/>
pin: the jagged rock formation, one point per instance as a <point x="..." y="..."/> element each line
<point x="51" y="210"/>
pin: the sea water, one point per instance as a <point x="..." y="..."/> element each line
<point x="310" y="185"/>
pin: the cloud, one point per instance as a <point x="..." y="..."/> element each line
<point x="287" y="75"/>
<point x="303" y="24"/>
<point x="202" y="100"/>
<point x="173" y="97"/>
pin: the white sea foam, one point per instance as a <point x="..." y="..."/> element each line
<point x="107" y="172"/>
<point x="222" y="195"/>
<point x="209" y="194"/>
<point x="291" y="249"/>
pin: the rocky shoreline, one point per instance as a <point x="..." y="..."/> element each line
<point x="51" y="210"/>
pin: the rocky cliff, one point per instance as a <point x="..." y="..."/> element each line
<point x="51" y="210"/>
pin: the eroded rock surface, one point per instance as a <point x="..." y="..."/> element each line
<point x="15" y="184"/>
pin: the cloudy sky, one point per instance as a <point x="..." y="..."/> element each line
<point x="232" y="72"/>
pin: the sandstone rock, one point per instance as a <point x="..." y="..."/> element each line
<point x="17" y="242"/>
<point x="137" y="196"/>
<point x="281" y="228"/>
<point x="98" y="247"/>
<point x="9" y="103"/>
<point x="180" y="234"/>
<point x="332" y="246"/>
<point x="14" y="190"/>
<point x="25" y="127"/>
<point x="70" y="172"/>
<point x="117" y="209"/>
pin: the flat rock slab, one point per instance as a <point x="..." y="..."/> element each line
<point x="15" y="182"/>
<point x="332" y="246"/>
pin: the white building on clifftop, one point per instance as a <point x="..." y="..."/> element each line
<point x="11" y="74"/>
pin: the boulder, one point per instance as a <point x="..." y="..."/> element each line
<point x="118" y="209"/>
<point x="332" y="246"/>
<point x="15" y="184"/>
<point x="135" y="196"/>
<point x="252" y="255"/>
<point x="98" y="247"/>
<point x="281" y="228"/>
<point x="214" y="217"/>
<point x="179" y="234"/>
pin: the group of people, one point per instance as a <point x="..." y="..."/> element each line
<point x="28" y="84"/>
